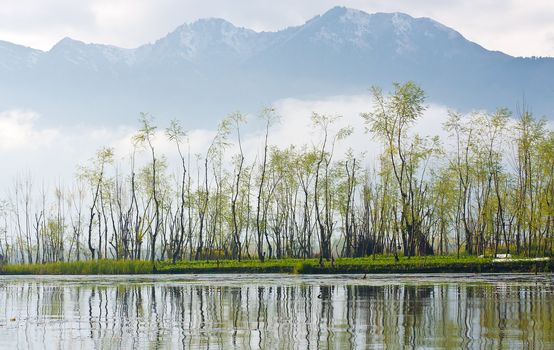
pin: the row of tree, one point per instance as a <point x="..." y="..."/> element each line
<point x="490" y="190"/>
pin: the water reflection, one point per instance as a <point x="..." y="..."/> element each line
<point x="283" y="312"/>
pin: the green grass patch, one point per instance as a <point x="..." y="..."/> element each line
<point x="92" y="267"/>
<point x="377" y="264"/>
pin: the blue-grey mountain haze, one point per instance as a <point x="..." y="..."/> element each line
<point x="204" y="70"/>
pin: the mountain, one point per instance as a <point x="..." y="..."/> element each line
<point x="204" y="70"/>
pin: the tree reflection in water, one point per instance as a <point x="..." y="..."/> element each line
<point x="283" y="313"/>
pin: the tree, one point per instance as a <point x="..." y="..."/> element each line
<point x="234" y="121"/>
<point x="390" y="121"/>
<point x="95" y="176"/>
<point x="176" y="133"/>
<point x="269" y="117"/>
<point x="325" y="155"/>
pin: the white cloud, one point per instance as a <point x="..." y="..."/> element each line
<point x="54" y="154"/>
<point x="18" y="132"/>
<point x="296" y="128"/>
<point x="50" y="153"/>
<point x="518" y="27"/>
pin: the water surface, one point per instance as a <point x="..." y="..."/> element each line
<point x="512" y="311"/>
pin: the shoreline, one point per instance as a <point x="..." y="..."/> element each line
<point x="369" y="265"/>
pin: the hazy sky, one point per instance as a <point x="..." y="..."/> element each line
<point x="517" y="27"/>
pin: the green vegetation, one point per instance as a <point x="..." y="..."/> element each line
<point x="487" y="189"/>
<point x="377" y="264"/>
<point x="380" y="264"/>
<point x="91" y="267"/>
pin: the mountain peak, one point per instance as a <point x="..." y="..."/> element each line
<point x="342" y="14"/>
<point x="65" y="43"/>
<point x="212" y="22"/>
<point x="336" y="11"/>
<point x="206" y="39"/>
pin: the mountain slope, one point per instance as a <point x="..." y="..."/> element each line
<point x="203" y="70"/>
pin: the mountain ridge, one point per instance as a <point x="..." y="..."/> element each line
<point x="341" y="51"/>
<point x="344" y="11"/>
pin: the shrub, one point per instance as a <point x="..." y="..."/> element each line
<point x="302" y="267"/>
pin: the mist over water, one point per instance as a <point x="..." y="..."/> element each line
<point x="278" y="312"/>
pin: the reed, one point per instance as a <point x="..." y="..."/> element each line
<point x="90" y="267"/>
<point x="377" y="264"/>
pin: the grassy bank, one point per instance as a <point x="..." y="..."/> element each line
<point x="96" y="267"/>
<point x="380" y="264"/>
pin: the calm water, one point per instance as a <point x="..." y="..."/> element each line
<point x="278" y="312"/>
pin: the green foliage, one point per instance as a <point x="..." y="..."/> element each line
<point x="489" y="191"/>
<point x="146" y="131"/>
<point x="175" y="131"/>
<point x="302" y="267"/>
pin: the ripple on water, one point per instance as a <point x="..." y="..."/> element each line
<point x="278" y="311"/>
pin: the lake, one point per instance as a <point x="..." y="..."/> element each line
<point x="486" y="311"/>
